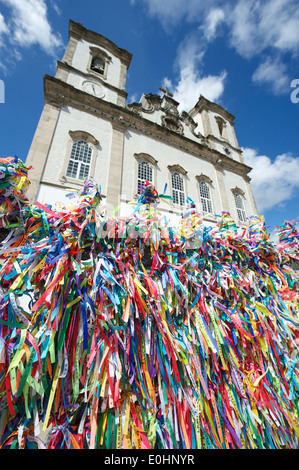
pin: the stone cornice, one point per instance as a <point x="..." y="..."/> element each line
<point x="70" y="68"/>
<point x="119" y="124"/>
<point x="59" y="93"/>
<point x="203" y="103"/>
<point x="223" y="142"/>
<point x="76" y="30"/>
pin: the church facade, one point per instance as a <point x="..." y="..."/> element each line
<point x="87" y="129"/>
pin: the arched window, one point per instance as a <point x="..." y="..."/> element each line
<point x="205" y="197"/>
<point x="98" y="62"/>
<point x="240" y="207"/>
<point x="145" y="173"/>
<point x="221" y="126"/>
<point x="79" y="161"/>
<point x="98" y="65"/>
<point x="178" y="192"/>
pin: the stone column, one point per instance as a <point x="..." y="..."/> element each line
<point x="38" y="152"/>
<point x="116" y="166"/>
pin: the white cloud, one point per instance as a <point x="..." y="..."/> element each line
<point x="3" y="29"/>
<point x="191" y="85"/>
<point x="258" y="25"/>
<point x="272" y="73"/>
<point x="280" y="23"/>
<point x="244" y="31"/>
<point x="273" y="182"/>
<point x="191" y="81"/>
<point x="29" y="25"/>
<point x="170" y="12"/>
<point x="55" y="7"/>
<point x="253" y="27"/>
<point x="215" y="17"/>
<point x="191" y="51"/>
<point x="3" y="26"/>
<point x="26" y="24"/>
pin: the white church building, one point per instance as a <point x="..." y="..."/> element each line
<point x="88" y="129"/>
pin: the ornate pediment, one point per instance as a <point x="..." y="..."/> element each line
<point x="204" y="178"/>
<point x="151" y="103"/>
<point x="237" y="190"/>
<point x="146" y="157"/>
<point x="172" y="123"/>
<point x="167" y="115"/>
<point x="177" y="168"/>
<point x="169" y="105"/>
<point x="148" y="104"/>
<point x="136" y="108"/>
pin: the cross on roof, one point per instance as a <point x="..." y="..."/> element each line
<point x="166" y="91"/>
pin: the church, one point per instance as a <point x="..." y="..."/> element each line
<point x="87" y="129"/>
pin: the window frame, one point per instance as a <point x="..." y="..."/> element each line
<point x="95" y="52"/>
<point x="177" y="169"/>
<point x="221" y="125"/>
<point x="102" y="61"/>
<point x="178" y="194"/>
<point x="152" y="162"/>
<point x="82" y="150"/>
<point x="237" y="192"/>
<point x="140" y="180"/>
<point x="74" y="137"/>
<point x="205" y="200"/>
<point x="204" y="178"/>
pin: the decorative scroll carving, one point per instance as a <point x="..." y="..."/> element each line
<point x="172" y="123"/>
<point x="187" y="119"/>
<point x="171" y="118"/>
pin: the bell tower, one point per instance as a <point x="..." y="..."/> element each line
<point x="91" y="74"/>
<point x="94" y="64"/>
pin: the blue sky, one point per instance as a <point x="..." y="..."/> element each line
<point x="242" y="54"/>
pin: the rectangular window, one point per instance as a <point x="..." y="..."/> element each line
<point x="205" y="197"/>
<point x="72" y="169"/>
<point x="240" y="207"/>
<point x="178" y="193"/>
<point x="206" y="205"/>
<point x="145" y="173"/>
<point x="80" y="160"/>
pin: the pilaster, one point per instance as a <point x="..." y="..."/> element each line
<point x="116" y="166"/>
<point x="221" y="186"/>
<point x="39" y="149"/>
